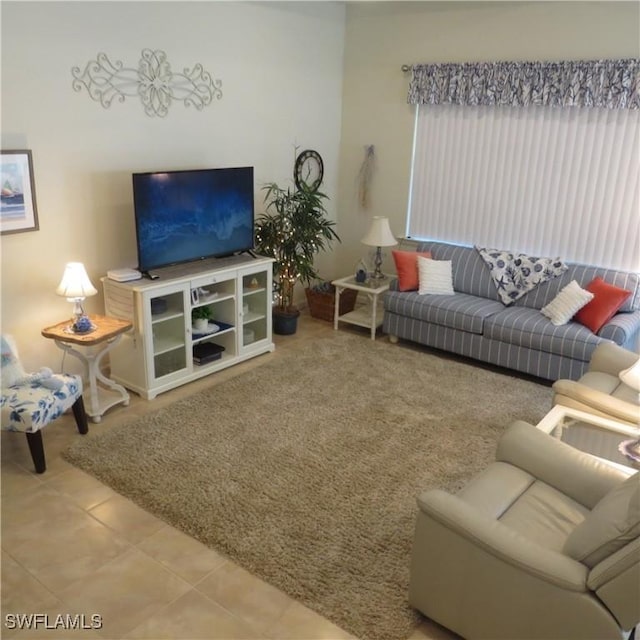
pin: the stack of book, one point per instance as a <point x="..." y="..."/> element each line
<point x="205" y="352"/>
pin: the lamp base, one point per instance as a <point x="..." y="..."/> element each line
<point x="377" y="276"/>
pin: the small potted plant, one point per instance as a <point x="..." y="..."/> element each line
<point x="200" y="317"/>
<point x="293" y="229"/>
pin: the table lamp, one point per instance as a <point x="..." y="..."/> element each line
<point x="75" y="286"/>
<point x="378" y="236"/>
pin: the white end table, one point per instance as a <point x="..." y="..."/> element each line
<point x="368" y="315"/>
<point x="107" y="334"/>
<point x="561" y="418"/>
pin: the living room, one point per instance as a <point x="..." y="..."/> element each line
<point x="294" y="75"/>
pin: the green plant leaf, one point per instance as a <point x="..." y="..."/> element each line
<point x="293" y="229"/>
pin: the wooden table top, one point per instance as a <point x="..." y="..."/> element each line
<point x="105" y="328"/>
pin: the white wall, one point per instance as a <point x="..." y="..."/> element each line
<point x="281" y="68"/>
<point x="381" y="37"/>
<point x="292" y="72"/>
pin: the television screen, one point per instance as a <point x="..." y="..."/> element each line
<point x="183" y="216"/>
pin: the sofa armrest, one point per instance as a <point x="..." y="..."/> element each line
<point x="498" y="540"/>
<point x="610" y="358"/>
<point x="622" y="329"/>
<point x="586" y="398"/>
<point x="577" y="474"/>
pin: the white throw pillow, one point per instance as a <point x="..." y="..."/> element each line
<point x="567" y="303"/>
<point x="435" y="276"/>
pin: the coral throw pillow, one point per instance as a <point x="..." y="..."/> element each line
<point x="407" y="268"/>
<point x="607" y="299"/>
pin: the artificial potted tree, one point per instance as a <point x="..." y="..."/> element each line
<point x="293" y="229"/>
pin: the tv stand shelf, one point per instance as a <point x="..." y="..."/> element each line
<point x="158" y="354"/>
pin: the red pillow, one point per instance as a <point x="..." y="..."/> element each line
<point x="407" y="268"/>
<point x="607" y="299"/>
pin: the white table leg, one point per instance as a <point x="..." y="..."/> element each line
<point x="374" y="313"/>
<point x="336" y="308"/>
<point x="92" y="363"/>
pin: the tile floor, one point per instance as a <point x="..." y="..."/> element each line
<point x="71" y="545"/>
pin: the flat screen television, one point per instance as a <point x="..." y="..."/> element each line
<point x="183" y="216"/>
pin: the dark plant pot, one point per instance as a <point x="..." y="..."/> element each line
<point x="285" y="323"/>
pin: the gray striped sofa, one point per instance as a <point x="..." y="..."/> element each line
<point x="475" y="323"/>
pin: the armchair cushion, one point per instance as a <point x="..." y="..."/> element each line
<point x="580" y="476"/>
<point x="612" y="524"/>
<point x="29" y="407"/>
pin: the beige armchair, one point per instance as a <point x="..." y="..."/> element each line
<point x="600" y="390"/>
<point x="543" y="544"/>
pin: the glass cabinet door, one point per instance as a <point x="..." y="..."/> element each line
<point x="168" y="334"/>
<point x="255" y="307"/>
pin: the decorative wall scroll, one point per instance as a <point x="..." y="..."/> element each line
<point x="152" y="81"/>
<point x="18" y="210"/>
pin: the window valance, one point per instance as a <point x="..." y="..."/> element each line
<point x="613" y="84"/>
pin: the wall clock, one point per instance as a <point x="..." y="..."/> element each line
<point x="308" y="170"/>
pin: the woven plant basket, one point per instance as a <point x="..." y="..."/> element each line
<point x="321" y="303"/>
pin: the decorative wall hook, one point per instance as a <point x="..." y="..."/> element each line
<point x="153" y="81"/>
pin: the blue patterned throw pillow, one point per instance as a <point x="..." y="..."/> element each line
<point x="515" y="274"/>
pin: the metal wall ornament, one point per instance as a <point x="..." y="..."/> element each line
<point x="152" y="81"/>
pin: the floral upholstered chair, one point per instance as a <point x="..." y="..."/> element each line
<point x="29" y="402"/>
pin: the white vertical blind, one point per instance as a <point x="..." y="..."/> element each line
<point x="541" y="180"/>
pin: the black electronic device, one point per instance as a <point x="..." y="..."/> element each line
<point x="205" y="352"/>
<point x="189" y="215"/>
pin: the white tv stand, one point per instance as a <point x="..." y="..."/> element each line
<point x="157" y="355"/>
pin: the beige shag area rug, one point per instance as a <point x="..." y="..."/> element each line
<point x="306" y="470"/>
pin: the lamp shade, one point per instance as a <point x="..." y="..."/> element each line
<point x="75" y="282"/>
<point x="379" y="234"/>
<point x="631" y="376"/>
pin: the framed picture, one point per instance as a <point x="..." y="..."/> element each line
<point x="18" y="211"/>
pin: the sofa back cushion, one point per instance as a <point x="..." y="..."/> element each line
<point x="470" y="273"/>
<point x="544" y="293"/>
<point x="611" y="525"/>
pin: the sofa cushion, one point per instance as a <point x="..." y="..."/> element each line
<point x="607" y="299"/>
<point x="529" y="328"/>
<point x="459" y="311"/>
<point x="612" y="524"/>
<point x="470" y="275"/>
<point x="407" y="268"/>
